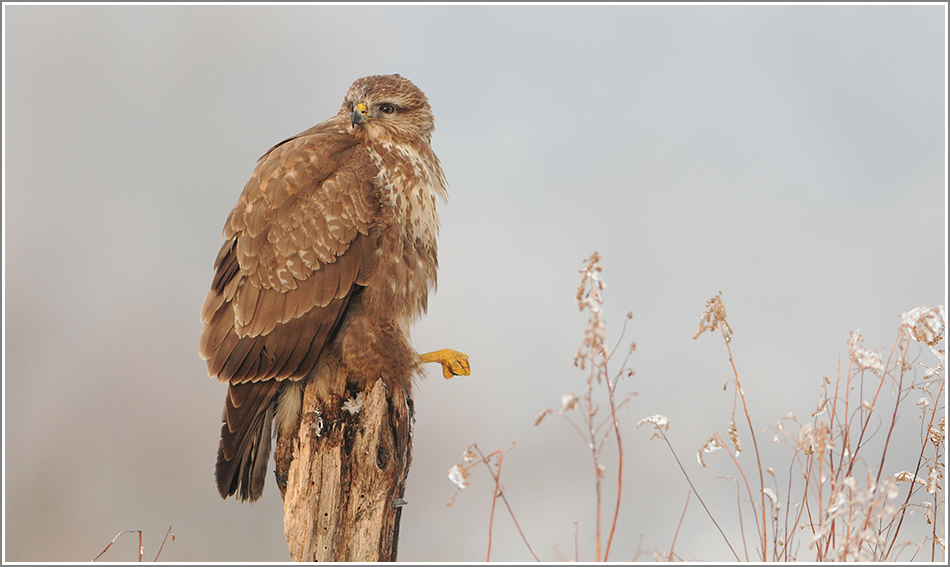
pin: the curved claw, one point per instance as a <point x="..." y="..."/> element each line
<point x="454" y="363"/>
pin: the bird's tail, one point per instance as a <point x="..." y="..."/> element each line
<point x="245" y="445"/>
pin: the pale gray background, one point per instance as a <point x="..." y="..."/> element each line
<point x="792" y="157"/>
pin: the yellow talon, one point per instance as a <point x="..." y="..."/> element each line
<point x="454" y="363"/>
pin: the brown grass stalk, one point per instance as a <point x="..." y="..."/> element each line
<point x="679" y="525"/>
<point x="141" y="546"/>
<point x="912" y="489"/>
<point x="844" y="507"/>
<point x="661" y="424"/>
<point x="141" y="550"/>
<point x="459" y="473"/>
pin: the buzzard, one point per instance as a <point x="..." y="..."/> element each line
<point x="328" y="258"/>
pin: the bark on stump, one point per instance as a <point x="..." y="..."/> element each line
<point x="346" y="476"/>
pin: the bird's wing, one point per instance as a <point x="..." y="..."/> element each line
<point x="296" y="243"/>
<point x="296" y="246"/>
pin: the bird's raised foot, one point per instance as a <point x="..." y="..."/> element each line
<point x="454" y="363"/>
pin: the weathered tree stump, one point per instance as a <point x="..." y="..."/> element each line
<point x="345" y="474"/>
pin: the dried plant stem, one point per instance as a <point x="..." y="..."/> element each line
<point x="598" y="371"/>
<point x="616" y="427"/>
<point x="141" y="546"/>
<point x="788" y="499"/>
<point x="748" y="489"/>
<point x="864" y="426"/>
<point x="494" y="500"/>
<point x="849" y="521"/>
<point x="679" y="525"/>
<point x="897" y="403"/>
<point x="693" y="488"/>
<point x="499" y="492"/>
<point x="745" y="546"/>
<point x="845" y="450"/>
<point x="141" y="549"/>
<point x="592" y="443"/>
<point x="161" y="547"/>
<point x="910" y="491"/>
<point x="576" y="550"/>
<point x="833" y="412"/>
<point x="849" y="451"/>
<point x="755" y="445"/>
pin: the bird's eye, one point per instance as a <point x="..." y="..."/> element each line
<point x="387" y="108"/>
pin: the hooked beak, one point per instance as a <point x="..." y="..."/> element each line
<point x="359" y="114"/>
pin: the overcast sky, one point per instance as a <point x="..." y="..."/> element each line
<point x="792" y="157"/>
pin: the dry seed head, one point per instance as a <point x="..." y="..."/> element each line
<point x="714" y="316"/>
<point x="773" y="499"/>
<point x="931" y="371"/>
<point x="658" y="420"/>
<point x="814" y="439"/>
<point x="938" y="434"/>
<point x="588" y="297"/>
<point x="568" y="402"/>
<point x="537" y="420"/>
<point x="862" y="357"/>
<point x="734" y="436"/>
<point x="933" y="480"/>
<point x="890" y="488"/>
<point x="458" y="474"/>
<point x="926" y="325"/>
<point x="710" y="446"/>
<point x="905" y="476"/>
<point x="779" y="428"/>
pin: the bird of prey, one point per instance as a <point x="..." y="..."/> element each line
<point x="328" y="258"/>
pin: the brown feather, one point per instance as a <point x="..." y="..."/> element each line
<point x="212" y="303"/>
<point x="231" y="370"/>
<point x="245" y="304"/>
<point x="348" y="270"/>
<point x="217" y="358"/>
<point x="298" y="270"/>
<point x="331" y="283"/>
<point x="365" y="249"/>
<point x="216" y="329"/>
<point x="245" y="439"/>
<point x="226" y="267"/>
<point x="264" y="314"/>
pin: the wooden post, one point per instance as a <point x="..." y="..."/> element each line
<point x="346" y="475"/>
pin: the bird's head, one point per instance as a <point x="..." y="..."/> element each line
<point x="387" y="108"/>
